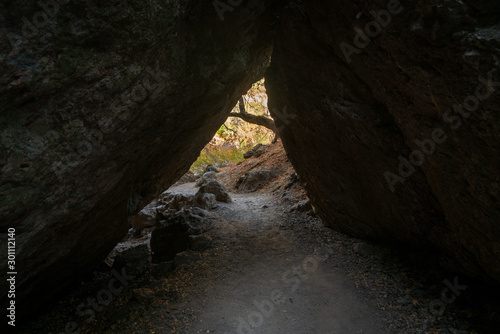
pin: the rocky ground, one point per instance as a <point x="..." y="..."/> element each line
<point x="268" y="265"/>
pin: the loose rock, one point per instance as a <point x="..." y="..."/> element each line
<point x="211" y="168"/>
<point x="169" y="238"/>
<point x="216" y="188"/>
<point x="135" y="260"/>
<point x="256" y="151"/>
<point x="205" y="178"/>
<point x="254" y="180"/>
<point x="173" y="203"/>
<point x="171" y="235"/>
<point x="145" y="218"/>
<point x="205" y="201"/>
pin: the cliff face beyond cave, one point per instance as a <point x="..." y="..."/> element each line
<point x="104" y="105"/>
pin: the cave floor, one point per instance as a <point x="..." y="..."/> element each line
<point x="267" y="281"/>
<point x="269" y="270"/>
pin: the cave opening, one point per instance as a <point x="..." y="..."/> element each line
<point x="104" y="106"/>
<point x="240" y="144"/>
<point x="240" y="217"/>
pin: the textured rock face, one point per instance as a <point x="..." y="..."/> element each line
<point x="216" y="188"/>
<point x="349" y="108"/>
<point x="135" y="260"/>
<point x="103" y="105"/>
<point x="255" y="180"/>
<point x="205" y="201"/>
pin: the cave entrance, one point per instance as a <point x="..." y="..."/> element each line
<point x="244" y="156"/>
<point x="249" y="124"/>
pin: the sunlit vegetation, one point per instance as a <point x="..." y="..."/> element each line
<point x="236" y="136"/>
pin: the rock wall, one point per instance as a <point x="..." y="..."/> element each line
<point x="103" y="105"/>
<point x="390" y="112"/>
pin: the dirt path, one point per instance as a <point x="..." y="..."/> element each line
<point x="268" y="271"/>
<point x="271" y="284"/>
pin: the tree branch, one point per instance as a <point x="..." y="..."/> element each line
<point x="258" y="120"/>
<point x="228" y="128"/>
<point x="242" y="106"/>
<point x="254" y="119"/>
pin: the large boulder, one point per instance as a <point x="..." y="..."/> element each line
<point x="207" y="176"/>
<point x="205" y="201"/>
<point x="145" y="218"/>
<point x="256" y="151"/>
<point x="170" y="237"/>
<point x="390" y="113"/>
<point x="102" y="107"/>
<point x="216" y="188"/>
<point x="136" y="260"/>
<point x="166" y="204"/>
<point x="172" y="233"/>
<point x="211" y="168"/>
<point x="255" y="180"/>
<point x="173" y="203"/>
<point x="393" y="130"/>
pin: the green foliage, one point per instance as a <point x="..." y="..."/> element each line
<point x="263" y="138"/>
<point x="218" y="155"/>
<point x="226" y="131"/>
<point x="236" y="136"/>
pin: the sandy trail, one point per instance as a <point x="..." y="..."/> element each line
<point x="267" y="282"/>
<point x="268" y="271"/>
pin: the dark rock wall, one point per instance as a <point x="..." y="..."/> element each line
<point x="103" y="105"/>
<point x="347" y="116"/>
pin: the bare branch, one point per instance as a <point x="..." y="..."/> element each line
<point x="242" y="106"/>
<point x="258" y="120"/>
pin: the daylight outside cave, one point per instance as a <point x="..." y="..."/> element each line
<point x="237" y="136"/>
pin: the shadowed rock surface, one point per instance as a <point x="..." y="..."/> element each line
<point x="135" y="260"/>
<point x="255" y="180"/>
<point x="356" y="118"/>
<point x="110" y="103"/>
<point x="170" y="237"/>
<point x="102" y="110"/>
<point x="204" y="201"/>
<point x="207" y="176"/>
<point x="216" y="188"/>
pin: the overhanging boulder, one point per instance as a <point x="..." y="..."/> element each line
<point x="389" y="111"/>
<point x="103" y="107"/>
